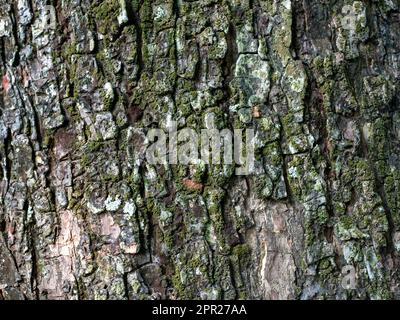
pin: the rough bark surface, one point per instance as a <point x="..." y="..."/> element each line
<point x="82" y="218"/>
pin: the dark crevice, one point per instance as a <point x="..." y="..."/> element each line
<point x="126" y="285"/>
<point x="135" y="18"/>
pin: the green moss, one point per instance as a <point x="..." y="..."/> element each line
<point x="94" y="146"/>
<point x="48" y="137"/>
<point x="325" y="268"/>
<point x="153" y="207"/>
<point x="242" y="251"/>
<point x="178" y="285"/>
<point x="85" y="160"/>
<point x="105" y="15"/>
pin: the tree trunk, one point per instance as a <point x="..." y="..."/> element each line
<point x="84" y="215"/>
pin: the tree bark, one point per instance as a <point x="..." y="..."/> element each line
<point x="84" y="216"/>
